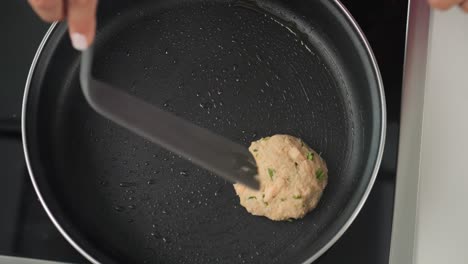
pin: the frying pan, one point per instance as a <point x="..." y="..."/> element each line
<point x="243" y="70"/>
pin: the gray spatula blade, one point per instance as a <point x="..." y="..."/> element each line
<point x="199" y="145"/>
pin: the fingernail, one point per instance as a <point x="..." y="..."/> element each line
<point x="79" y="41"/>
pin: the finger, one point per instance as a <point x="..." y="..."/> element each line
<point x="464" y="6"/>
<point x="82" y="22"/>
<point x="48" y="10"/>
<point x="444" y="4"/>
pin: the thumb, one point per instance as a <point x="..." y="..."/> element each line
<point x="82" y="22"/>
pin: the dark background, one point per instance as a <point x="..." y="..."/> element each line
<point x="25" y="229"/>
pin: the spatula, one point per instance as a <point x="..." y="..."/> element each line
<point x="199" y="145"/>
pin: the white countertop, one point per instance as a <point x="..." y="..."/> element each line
<point x="431" y="199"/>
<point x="18" y="260"/>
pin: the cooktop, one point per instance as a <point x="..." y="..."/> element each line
<point x="25" y="229"/>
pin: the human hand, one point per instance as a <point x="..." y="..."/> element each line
<point x="80" y="15"/>
<point x="447" y="4"/>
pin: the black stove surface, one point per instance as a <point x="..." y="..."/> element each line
<point x="25" y="229"/>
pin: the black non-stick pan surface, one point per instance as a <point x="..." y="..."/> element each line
<point x="245" y="70"/>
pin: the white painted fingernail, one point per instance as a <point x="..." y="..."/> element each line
<point x="79" y="41"/>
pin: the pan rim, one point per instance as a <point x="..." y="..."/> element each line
<point x="324" y="248"/>
<point x="383" y="128"/>
<point x="26" y="152"/>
